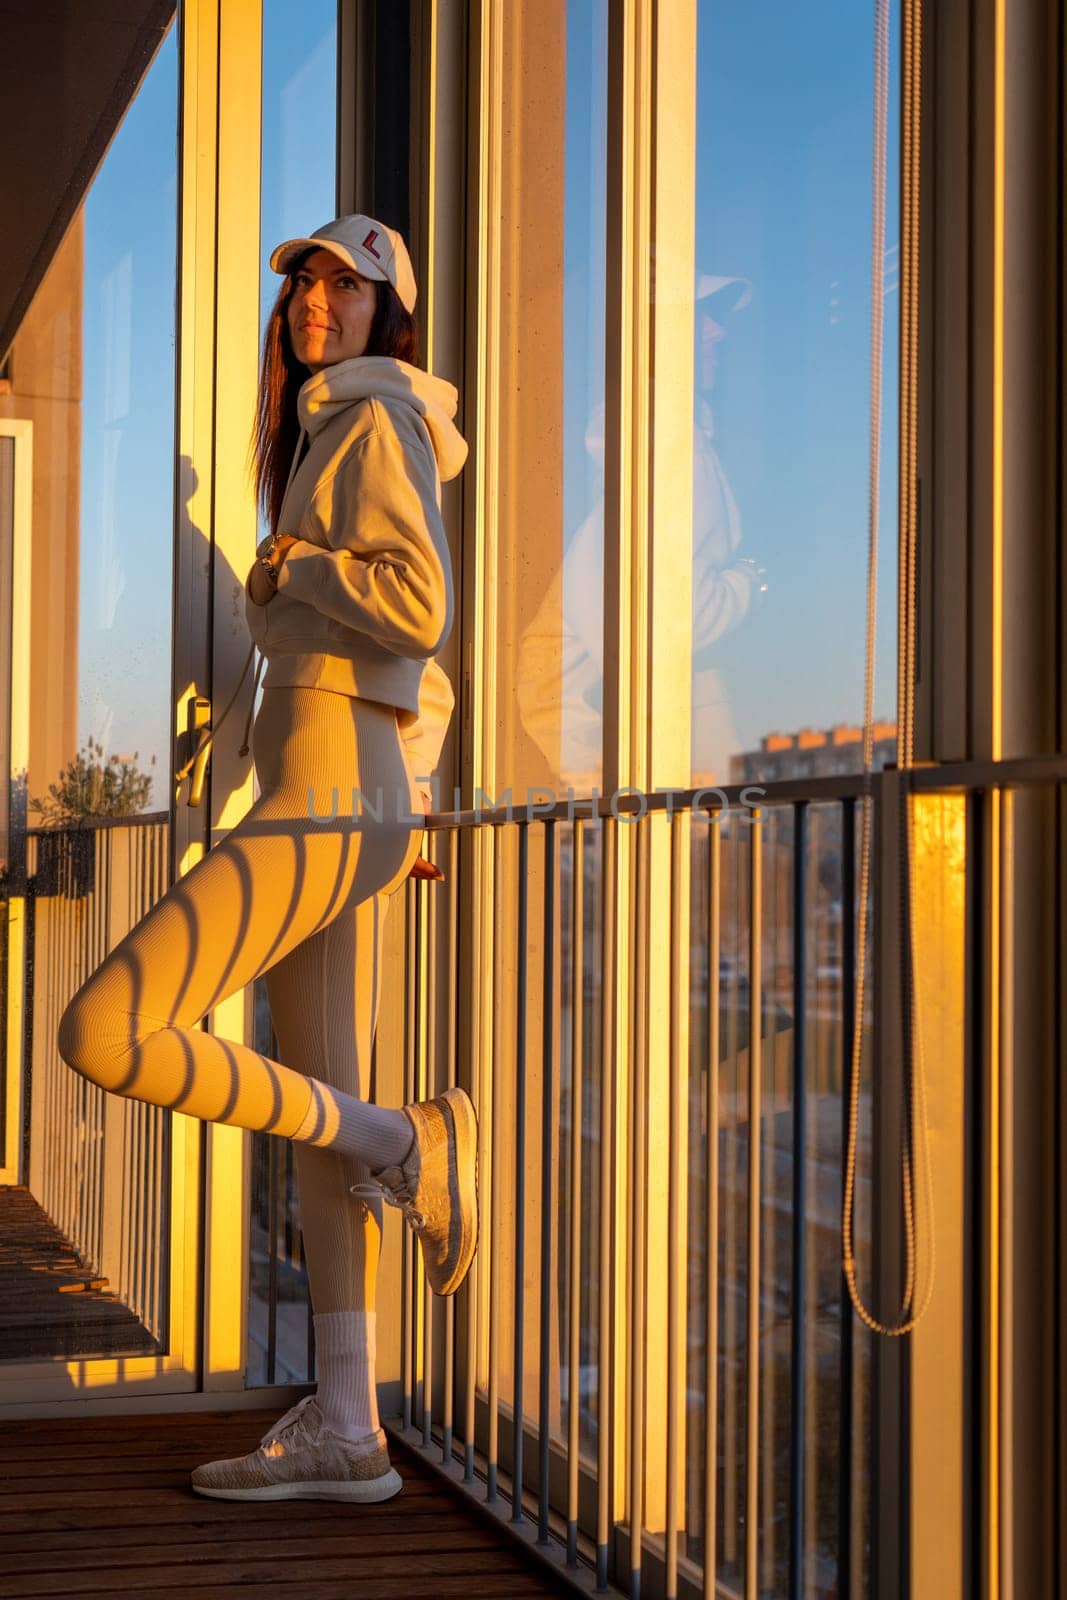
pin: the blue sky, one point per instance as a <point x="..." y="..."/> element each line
<point x="783" y="198"/>
<point x="127" y="482"/>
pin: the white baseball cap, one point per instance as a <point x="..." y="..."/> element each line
<point x="708" y="283"/>
<point x="366" y="245"/>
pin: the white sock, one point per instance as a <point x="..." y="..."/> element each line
<point x="338" y="1121"/>
<point x="344" y="1361"/>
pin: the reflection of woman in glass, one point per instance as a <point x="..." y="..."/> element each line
<point x="723" y="582"/>
<point x="349" y="599"/>
<point x="561" y="655"/>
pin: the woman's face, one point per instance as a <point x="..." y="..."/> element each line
<point x="330" y="311"/>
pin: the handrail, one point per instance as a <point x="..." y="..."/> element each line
<point x="90" y="824"/>
<point x="927" y="778"/>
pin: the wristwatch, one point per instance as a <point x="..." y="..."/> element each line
<point x="264" y="558"/>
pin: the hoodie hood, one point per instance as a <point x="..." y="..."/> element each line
<point x="334" y="388"/>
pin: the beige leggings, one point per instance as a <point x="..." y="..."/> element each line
<point x="301" y="898"/>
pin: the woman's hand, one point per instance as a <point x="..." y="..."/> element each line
<point x="420" y="867"/>
<point x="260" y="587"/>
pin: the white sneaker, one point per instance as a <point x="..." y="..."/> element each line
<point x="436" y="1186"/>
<point x="301" y="1458"/>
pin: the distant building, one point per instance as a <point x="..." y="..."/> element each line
<point x="813" y="753"/>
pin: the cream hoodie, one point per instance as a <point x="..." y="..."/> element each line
<point x="365" y="596"/>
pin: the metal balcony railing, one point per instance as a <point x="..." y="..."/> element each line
<point x="656" y="1331"/>
<point x="558" y="1364"/>
<point x="655" y="1334"/>
<point x="98" y="1164"/>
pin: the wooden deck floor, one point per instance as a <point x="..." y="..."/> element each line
<point x="102" y="1506"/>
<point x="50" y="1303"/>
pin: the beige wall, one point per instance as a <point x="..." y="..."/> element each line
<point x="45" y="370"/>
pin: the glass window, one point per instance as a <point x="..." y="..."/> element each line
<point x="126" y="489"/>
<point x="782" y="332"/>
<point x="90" y="377"/>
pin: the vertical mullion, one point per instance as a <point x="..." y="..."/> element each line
<point x="194" y="499"/>
<point x="477" y="731"/>
<point x="627" y="343"/>
<point x="660" y="671"/>
<point x="627" y="348"/>
<point x="221" y="109"/>
<point x="354" y="156"/>
<point x="484" y="425"/>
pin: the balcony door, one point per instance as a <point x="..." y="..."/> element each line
<point x="132" y="375"/>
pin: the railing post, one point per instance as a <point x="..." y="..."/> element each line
<point x="122" y="1120"/>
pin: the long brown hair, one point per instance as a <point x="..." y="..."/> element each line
<point x="393" y="332"/>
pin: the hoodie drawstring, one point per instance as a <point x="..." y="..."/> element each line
<point x="243" y="748"/>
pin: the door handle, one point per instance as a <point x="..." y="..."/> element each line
<point x="199" y="725"/>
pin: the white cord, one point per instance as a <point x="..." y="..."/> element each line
<point x="918" y="1286"/>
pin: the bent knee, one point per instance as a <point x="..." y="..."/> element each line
<point x="96" y="1039"/>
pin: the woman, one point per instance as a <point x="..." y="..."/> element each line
<point x="349" y="598"/>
